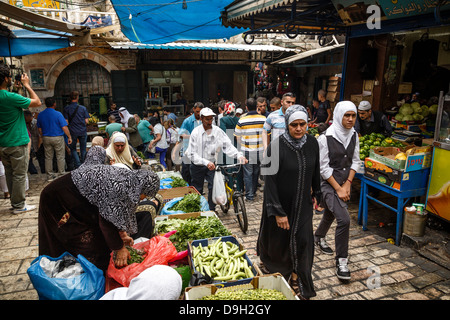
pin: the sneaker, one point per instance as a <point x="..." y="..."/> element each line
<point x="323" y="246"/>
<point x="25" y="209"/>
<point x="342" y="271"/>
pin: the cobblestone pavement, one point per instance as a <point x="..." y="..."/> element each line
<point x="380" y="270"/>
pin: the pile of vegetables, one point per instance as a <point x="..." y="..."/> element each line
<point x="247" y="294"/>
<point x="178" y="182"/>
<point x="192" y="229"/>
<point x="189" y="203"/>
<point x="222" y="261"/>
<point x="137" y="256"/>
<point x="370" y="141"/>
<point x="313" y="131"/>
<point x="415" y="112"/>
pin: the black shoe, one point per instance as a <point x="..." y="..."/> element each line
<point x="342" y="271"/>
<point x="323" y="246"/>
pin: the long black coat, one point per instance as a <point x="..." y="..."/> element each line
<point x="288" y="193"/>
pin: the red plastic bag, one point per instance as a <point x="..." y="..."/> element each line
<point x="159" y="250"/>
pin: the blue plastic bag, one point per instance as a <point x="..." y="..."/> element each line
<point x="204" y="206"/>
<point x="165" y="183"/>
<point x="90" y="285"/>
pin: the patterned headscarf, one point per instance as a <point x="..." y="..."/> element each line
<point x="115" y="191"/>
<point x="95" y="155"/>
<point x="295" y="112"/>
<point x="229" y="109"/>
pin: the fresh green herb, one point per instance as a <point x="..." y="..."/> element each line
<point x="137" y="256"/>
<point x="191" y="229"/>
<point x="178" y="182"/>
<point x="189" y="203"/>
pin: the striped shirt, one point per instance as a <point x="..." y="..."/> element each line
<point x="275" y="124"/>
<point x="249" y="128"/>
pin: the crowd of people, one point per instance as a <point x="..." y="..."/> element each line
<point x="106" y="185"/>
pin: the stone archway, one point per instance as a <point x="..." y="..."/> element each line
<point x="70" y="58"/>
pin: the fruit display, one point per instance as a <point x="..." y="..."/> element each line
<point x="370" y="141"/>
<point x="415" y="112"/>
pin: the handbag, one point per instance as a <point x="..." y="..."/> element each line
<point x="151" y="149"/>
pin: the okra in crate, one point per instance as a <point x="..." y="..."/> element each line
<point x="221" y="258"/>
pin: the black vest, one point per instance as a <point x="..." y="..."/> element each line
<point x="340" y="158"/>
<point x="367" y="127"/>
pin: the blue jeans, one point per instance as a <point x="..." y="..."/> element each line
<point x="78" y="160"/>
<point x="162" y="156"/>
<point x="251" y="173"/>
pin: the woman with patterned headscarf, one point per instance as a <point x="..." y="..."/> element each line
<point x="91" y="211"/>
<point x="291" y="170"/>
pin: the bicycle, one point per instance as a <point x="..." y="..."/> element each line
<point x="235" y="197"/>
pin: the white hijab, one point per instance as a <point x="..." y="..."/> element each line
<point x="125" y="156"/>
<point x="159" y="282"/>
<point x="337" y="130"/>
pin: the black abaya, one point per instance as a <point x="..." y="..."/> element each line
<point x="288" y="193"/>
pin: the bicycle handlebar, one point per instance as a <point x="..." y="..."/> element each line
<point x="229" y="166"/>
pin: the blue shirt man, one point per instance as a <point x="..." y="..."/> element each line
<point x="77" y="120"/>
<point x="51" y="122"/>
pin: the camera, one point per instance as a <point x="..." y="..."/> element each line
<point x="18" y="77"/>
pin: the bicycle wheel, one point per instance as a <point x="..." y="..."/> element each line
<point x="241" y="213"/>
<point x="226" y="207"/>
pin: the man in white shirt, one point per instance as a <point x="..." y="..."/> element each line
<point x="204" y="145"/>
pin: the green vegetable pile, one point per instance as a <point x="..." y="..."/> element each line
<point x="373" y="140"/>
<point x="178" y="182"/>
<point x="222" y="261"/>
<point x="189" y="203"/>
<point x="313" y="131"/>
<point x="247" y="294"/>
<point x="192" y="229"/>
<point x="137" y="256"/>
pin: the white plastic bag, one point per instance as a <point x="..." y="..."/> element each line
<point x="219" y="194"/>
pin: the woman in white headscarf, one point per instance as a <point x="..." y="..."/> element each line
<point x="119" y="151"/>
<point x="286" y="241"/>
<point x="339" y="159"/>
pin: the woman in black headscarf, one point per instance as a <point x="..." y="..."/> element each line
<point x="91" y="210"/>
<point x="291" y="168"/>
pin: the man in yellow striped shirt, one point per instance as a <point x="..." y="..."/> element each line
<point x="249" y="135"/>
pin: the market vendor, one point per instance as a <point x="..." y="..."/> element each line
<point x="369" y="121"/>
<point x="91" y="211"/>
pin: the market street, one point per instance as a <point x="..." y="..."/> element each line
<point x="380" y="270"/>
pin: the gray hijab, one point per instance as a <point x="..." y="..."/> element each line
<point x="295" y="143"/>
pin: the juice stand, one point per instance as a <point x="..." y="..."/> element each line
<point x="438" y="196"/>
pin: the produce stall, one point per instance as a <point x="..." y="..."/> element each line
<point x="400" y="67"/>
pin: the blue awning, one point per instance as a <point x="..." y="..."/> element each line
<point x="24" y="42"/>
<point x="157" y="22"/>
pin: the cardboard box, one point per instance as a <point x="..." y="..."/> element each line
<point x="331" y="96"/>
<point x="169" y="194"/>
<point x="357" y="98"/>
<point x="417" y="158"/>
<point x="396" y="179"/>
<point x="271" y="281"/>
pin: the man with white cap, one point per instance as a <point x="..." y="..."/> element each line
<point x="369" y="121"/>
<point x="204" y="146"/>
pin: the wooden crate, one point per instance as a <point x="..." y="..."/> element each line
<point x="169" y="194"/>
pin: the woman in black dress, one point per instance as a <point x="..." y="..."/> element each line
<point x="286" y="243"/>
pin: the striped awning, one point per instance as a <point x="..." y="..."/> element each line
<point x="241" y="9"/>
<point x="197" y="46"/>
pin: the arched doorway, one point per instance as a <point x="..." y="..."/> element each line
<point x="87" y="77"/>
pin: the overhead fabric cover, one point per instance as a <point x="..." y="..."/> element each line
<point x="157" y="22"/>
<point x="29" y="42"/>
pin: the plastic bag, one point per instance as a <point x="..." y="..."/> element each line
<point x="159" y="250"/>
<point x="204" y="206"/>
<point x="90" y="285"/>
<point x="219" y="194"/>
